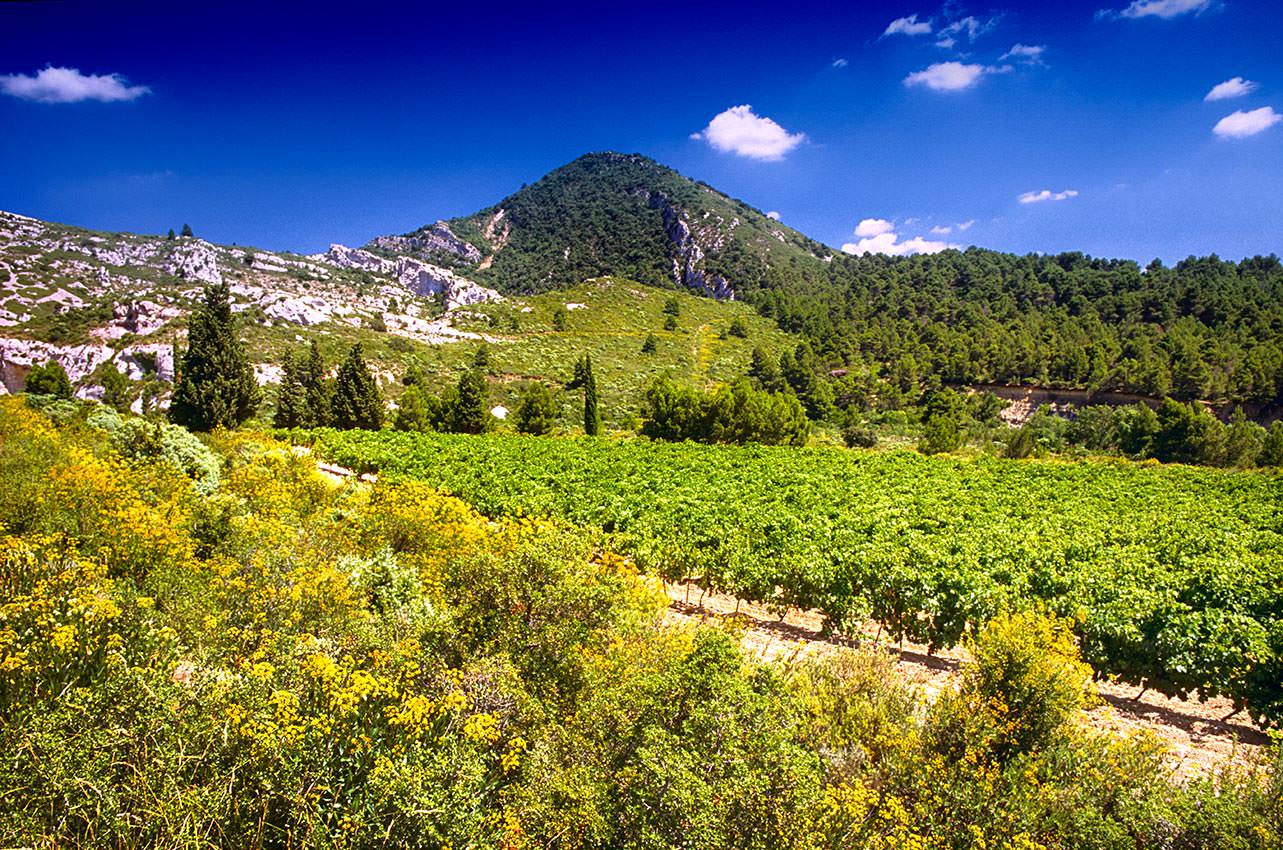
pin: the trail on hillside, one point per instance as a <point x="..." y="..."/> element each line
<point x="1198" y="736"/>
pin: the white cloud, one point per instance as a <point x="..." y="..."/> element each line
<point x="1047" y="195"/>
<point x="969" y="26"/>
<point x="966" y="225"/>
<point x="1031" y="53"/>
<point x="1165" y="9"/>
<point x="873" y="227"/>
<point x="907" y="26"/>
<point x="952" y="76"/>
<point x="68" y="85"/>
<point x="1240" y="124"/>
<point x="773" y="215"/>
<point x="1231" y="88"/>
<point x="840" y="63"/>
<point x="878" y="236"/>
<point x="739" y="131"/>
<point x="942" y="230"/>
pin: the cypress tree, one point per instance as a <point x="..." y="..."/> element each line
<point x="357" y="401"/>
<point x="187" y="231"/>
<point x="592" y="416"/>
<point x="215" y="383"/>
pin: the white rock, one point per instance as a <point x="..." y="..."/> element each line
<point x="194" y="259"/>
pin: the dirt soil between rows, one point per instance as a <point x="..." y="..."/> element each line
<point x="1198" y="736"/>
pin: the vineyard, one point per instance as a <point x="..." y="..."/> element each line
<point x="1173" y="575"/>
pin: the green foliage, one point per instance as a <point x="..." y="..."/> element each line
<point x="416" y="410"/>
<point x="139" y="439"/>
<point x="670" y="323"/>
<point x="469" y="414"/>
<point x="116" y="388"/>
<point x="1187" y="434"/>
<point x="734" y="414"/>
<point x="559" y="319"/>
<point x="857" y="433"/>
<point x="537" y="413"/>
<point x="215" y="383"/>
<point x="738" y="328"/>
<point x="49" y="379"/>
<point x="650" y="345"/>
<point x="1168" y="571"/>
<point x="187" y="231"/>
<point x="287" y="662"/>
<point x="356" y="401"/>
<point x="1024" y="684"/>
<point x="304" y="398"/>
<point x="1272" y="447"/>
<point x="1020" y="444"/>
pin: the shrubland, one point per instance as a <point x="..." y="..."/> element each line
<point x="273" y="659"/>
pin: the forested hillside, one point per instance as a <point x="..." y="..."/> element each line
<point x="1205" y="328"/>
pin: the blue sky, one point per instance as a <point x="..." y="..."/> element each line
<point x="917" y="125"/>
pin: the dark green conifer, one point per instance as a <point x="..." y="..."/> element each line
<point x="215" y="384"/>
<point x="592" y="416"/>
<point x="357" y="402"/>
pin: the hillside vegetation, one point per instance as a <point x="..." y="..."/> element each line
<point x="203" y="643"/>
<point x="1205" y="328"/>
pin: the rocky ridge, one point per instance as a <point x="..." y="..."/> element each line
<point x="86" y="299"/>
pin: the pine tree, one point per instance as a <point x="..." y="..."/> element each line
<point x="50" y="379"/>
<point x="650" y="345"/>
<point x="215" y="383"/>
<point x="317" y="389"/>
<point x="169" y="237"/>
<point x="469" y="415"/>
<point x="291" y="402"/>
<point x="357" y="402"/>
<point x="592" y="416"/>
<point x="115" y="388"/>
<point x="187" y="231"/>
<point x="537" y="412"/>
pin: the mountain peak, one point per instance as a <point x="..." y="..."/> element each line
<point x="611" y="213"/>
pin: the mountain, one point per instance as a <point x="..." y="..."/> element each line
<point x="891" y="328"/>
<point x="1203" y="329"/>
<point x="614" y="214"/>
<point x="88" y="299"/>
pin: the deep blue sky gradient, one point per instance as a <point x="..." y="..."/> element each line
<point x="290" y="127"/>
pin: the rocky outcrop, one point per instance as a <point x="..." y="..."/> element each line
<point x="306" y="311"/>
<point x="140" y="361"/>
<point x="421" y="278"/>
<point x="194" y="259"/>
<point x="354" y="258"/>
<point x="17" y="356"/>
<point x="686" y="249"/>
<point x="435" y="238"/>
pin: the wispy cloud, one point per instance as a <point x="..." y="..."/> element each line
<point x="952" y="76"/>
<point x="1031" y="53"/>
<point x="879" y="236"/>
<point x="907" y="26"/>
<point x="840" y="63"/>
<point x="1164" y="9"/>
<point x="1240" y="124"/>
<point x="68" y="85"/>
<point x="1045" y="195"/>
<point x="1231" y="88"/>
<point x="740" y="131"/>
